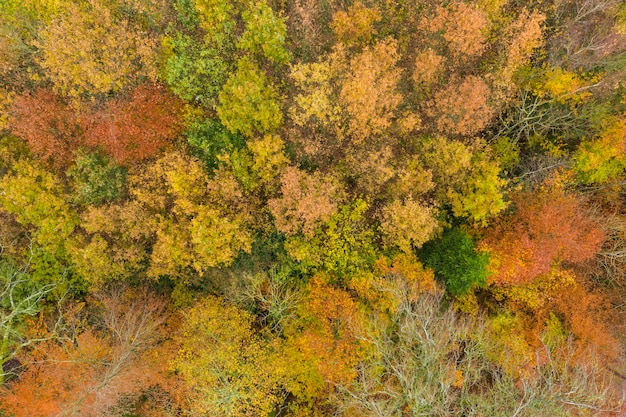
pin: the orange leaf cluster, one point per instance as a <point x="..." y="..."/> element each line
<point x="306" y="200"/>
<point x="547" y="226"/>
<point x="128" y="129"/>
<point x="136" y="128"/>
<point x="48" y="126"/>
<point x="330" y="342"/>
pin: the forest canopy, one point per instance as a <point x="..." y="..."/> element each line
<point x="312" y="208"/>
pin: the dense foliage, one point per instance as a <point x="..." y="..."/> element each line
<point x="312" y="208"/>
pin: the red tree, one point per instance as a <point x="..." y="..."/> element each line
<point x="135" y="128"/>
<point x="48" y="126"/>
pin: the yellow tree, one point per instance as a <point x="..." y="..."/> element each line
<point x="91" y="48"/>
<point x="229" y="368"/>
<point x="177" y="222"/>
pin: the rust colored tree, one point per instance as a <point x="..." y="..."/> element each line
<point x="47" y="125"/>
<point x="137" y="127"/>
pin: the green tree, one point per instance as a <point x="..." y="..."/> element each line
<point x="265" y="33"/>
<point x="456" y="262"/>
<point x="248" y="104"/>
<point x="195" y="72"/>
<point x="209" y="139"/>
<point x="95" y="179"/>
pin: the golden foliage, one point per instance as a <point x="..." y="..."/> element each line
<point x="369" y="91"/>
<point x="407" y="224"/>
<point x="428" y="66"/>
<point x="355" y="26"/>
<point x="524" y="36"/>
<point x="269" y="157"/>
<point x="229" y="368"/>
<point x="177" y="219"/>
<point x="316" y="81"/>
<point x="89" y="49"/>
<point x="333" y="320"/>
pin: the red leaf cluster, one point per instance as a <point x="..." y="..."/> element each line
<point x="129" y="128"/>
<point x="134" y="129"/>
<point x="48" y="126"/>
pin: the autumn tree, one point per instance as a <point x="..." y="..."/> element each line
<point x="428" y="67"/>
<point x="257" y="166"/>
<point x="249" y="102"/>
<point x="369" y="91"/>
<point x="355" y="25"/>
<point x="548" y="226"/>
<point x="363" y="86"/>
<point x="407" y="224"/>
<point x="92" y="49"/>
<point x="316" y="83"/>
<point x="582" y="312"/>
<point x="265" y="33"/>
<point x="331" y="322"/>
<point x="307" y="200"/>
<point x="377" y="288"/>
<point x="604" y="158"/>
<point x="465" y="177"/>
<point x="523" y="37"/>
<point x="176" y="221"/>
<point x="228" y="367"/>
<point x="217" y="18"/>
<point x="37" y="200"/>
<point x="464" y="29"/>
<point x="90" y="372"/>
<point x="49" y="127"/>
<point x="134" y="128"/>
<point x="462" y="108"/>
<point x="270" y="159"/>
<point x="343" y="245"/>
